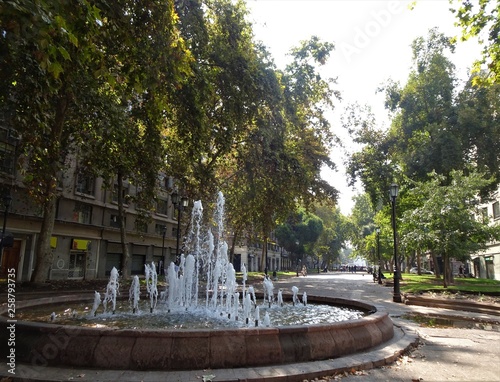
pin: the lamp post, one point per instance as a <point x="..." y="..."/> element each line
<point x="179" y="203"/>
<point x="267" y="260"/>
<point x="378" y="255"/>
<point x="7" y="200"/>
<point x="397" y="293"/>
<point x="163" y="233"/>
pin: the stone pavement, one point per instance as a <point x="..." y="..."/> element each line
<point x="415" y="353"/>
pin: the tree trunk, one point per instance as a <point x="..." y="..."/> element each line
<point x="44" y="254"/>
<point x="236" y="234"/>
<point x="445" y="271"/>
<point x="263" y="261"/>
<point x="123" y="237"/>
<point x="436" y="265"/>
<point x="43" y="251"/>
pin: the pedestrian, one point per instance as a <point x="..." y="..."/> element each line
<point x="460" y="271"/>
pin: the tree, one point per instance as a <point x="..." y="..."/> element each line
<point x="299" y="234"/>
<point x="91" y="81"/>
<point x="373" y="164"/>
<point x="423" y="128"/>
<point x="334" y="236"/>
<point x="277" y="167"/>
<point x="51" y="67"/>
<point x="478" y="111"/>
<point x="447" y="219"/>
<point x="216" y="107"/>
<point x="362" y="216"/>
<point x="146" y="53"/>
<point x="481" y="19"/>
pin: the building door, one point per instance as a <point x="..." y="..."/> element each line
<point x="76" y="269"/>
<point x="11" y="257"/>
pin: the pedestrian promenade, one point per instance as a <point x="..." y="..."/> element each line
<point x="437" y="354"/>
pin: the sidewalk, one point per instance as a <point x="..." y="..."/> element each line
<point x="443" y="354"/>
<point x="415" y="353"/>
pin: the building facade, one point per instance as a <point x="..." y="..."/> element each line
<point x="487" y="264"/>
<point x="86" y="241"/>
<point x="251" y="253"/>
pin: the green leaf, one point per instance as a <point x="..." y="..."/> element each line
<point x="64" y="53"/>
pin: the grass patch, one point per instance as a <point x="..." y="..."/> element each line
<point x="429" y="283"/>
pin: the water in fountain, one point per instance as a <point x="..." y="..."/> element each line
<point x="112" y="290"/>
<point x="295" y="291"/>
<point x="134" y="293"/>
<point x="207" y="258"/>
<point x="97" y="302"/>
<point x="280" y="298"/>
<point x="151" y="284"/>
<point x="268" y="290"/>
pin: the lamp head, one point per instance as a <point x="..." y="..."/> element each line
<point x="394" y="190"/>
<point x="175" y="197"/>
<point x="184" y="202"/>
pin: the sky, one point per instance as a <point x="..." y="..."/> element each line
<point x="372" y="44"/>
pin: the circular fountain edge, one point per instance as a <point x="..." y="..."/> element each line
<point x="48" y="344"/>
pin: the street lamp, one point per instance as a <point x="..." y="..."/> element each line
<point x="179" y="203"/>
<point x="378" y="255"/>
<point x="7" y="200"/>
<point x="397" y="293"/>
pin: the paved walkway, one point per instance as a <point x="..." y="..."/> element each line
<point x="437" y="354"/>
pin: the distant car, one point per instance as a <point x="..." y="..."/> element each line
<point x="423" y="271"/>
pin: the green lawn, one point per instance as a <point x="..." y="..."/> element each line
<point x="429" y="283"/>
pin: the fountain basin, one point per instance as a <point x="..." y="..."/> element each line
<point x="49" y="344"/>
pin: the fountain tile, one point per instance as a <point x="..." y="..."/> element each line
<point x="80" y="351"/>
<point x="227" y="349"/>
<point x="114" y="351"/>
<point x="344" y="342"/>
<point x="151" y="353"/>
<point x="190" y="350"/>
<point x="322" y="343"/>
<point x="263" y="347"/>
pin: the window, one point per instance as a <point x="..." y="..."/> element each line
<point x="496" y="210"/>
<point x="139" y="203"/>
<point x="76" y="265"/>
<point x="141" y="226"/>
<point x="114" y="221"/>
<point x="162" y="207"/>
<point x="165" y="182"/>
<point x="8" y="143"/>
<point x="160" y="229"/>
<point x="484" y="214"/>
<point x="84" y="184"/>
<point x="124" y="193"/>
<point x="137" y="266"/>
<point x="82" y="213"/>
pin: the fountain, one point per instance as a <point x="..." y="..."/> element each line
<point x="255" y="343"/>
